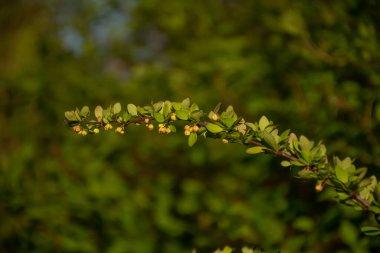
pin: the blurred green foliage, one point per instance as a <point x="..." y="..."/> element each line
<point x="310" y="66"/>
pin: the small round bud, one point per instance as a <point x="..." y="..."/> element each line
<point x="108" y="126"/>
<point x="225" y="141"/>
<point x="187" y="132"/>
<point x="187" y="127"/>
<point x="215" y="117"/>
<point x="195" y="128"/>
<point x="96" y="130"/>
<point x="173" y="117"/>
<point x="319" y="187"/>
<point x="83" y="132"/>
<point x="162" y="130"/>
<point x="161" y="125"/>
<point x="168" y="130"/>
<point x="150" y="126"/>
<point x="146" y="120"/>
<point x="76" y="128"/>
<point x="119" y="130"/>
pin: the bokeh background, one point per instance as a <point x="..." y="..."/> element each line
<point x="311" y="66"/>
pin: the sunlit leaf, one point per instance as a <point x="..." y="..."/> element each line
<point x="132" y="109"/>
<point x="192" y="139"/>
<point x="255" y="150"/>
<point x="213" y="128"/>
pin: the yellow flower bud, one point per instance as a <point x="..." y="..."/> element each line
<point x="161" y="125"/>
<point x="146" y="120"/>
<point x="150" y="126"/>
<point x="119" y="130"/>
<point x="173" y="117"/>
<point x="225" y="141"/>
<point x="187" y="132"/>
<point x="187" y="127"/>
<point x="215" y="117"/>
<point x="83" y="132"/>
<point x="96" y="130"/>
<point x="108" y="126"/>
<point x="195" y="128"/>
<point x="168" y="131"/>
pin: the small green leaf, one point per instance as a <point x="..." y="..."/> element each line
<point x="182" y="114"/>
<point x="126" y="116"/>
<point x="196" y="115"/>
<point x="247" y="250"/>
<point x="116" y="108"/>
<point x="213" y="128"/>
<point x="217" y="107"/>
<point x="85" y="111"/>
<point x="132" y="109"/>
<point x="263" y="122"/>
<point x="371" y="230"/>
<point x="176" y="106"/>
<point x="159" y="117"/>
<point x="229" y="122"/>
<point x="194" y="107"/>
<point x="341" y="174"/>
<point x="185" y="103"/>
<point x="172" y="128"/>
<point x="70" y="115"/>
<point x="285" y="164"/>
<point x="98" y="112"/>
<point x="251" y="125"/>
<point x="270" y="140"/>
<point x="255" y="150"/>
<point x="227" y="249"/>
<point x="167" y="108"/>
<point x="305" y="144"/>
<point x="192" y="139"/>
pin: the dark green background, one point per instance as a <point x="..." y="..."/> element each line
<point x="311" y="66"/>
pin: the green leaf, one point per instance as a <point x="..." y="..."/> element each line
<point x="194" y="107"/>
<point x="284" y="135"/>
<point x="85" y="111"/>
<point x="217" y="107"/>
<point x="371" y="230"/>
<point x="185" y="103"/>
<point x="132" y="109"/>
<point x="247" y="250"/>
<point x="227" y="249"/>
<point x="182" y="114"/>
<point x="167" y="108"/>
<point x="251" y="125"/>
<point x="126" y="116"/>
<point x="159" y="117"/>
<point x="305" y="144"/>
<point x="158" y="106"/>
<point x="285" y="164"/>
<point x="70" y="115"/>
<point x="341" y="174"/>
<point x="213" y="128"/>
<point x="98" y="112"/>
<point x="176" y="106"/>
<point x="192" y="139"/>
<point x="229" y="122"/>
<point x="270" y="140"/>
<point x="172" y="128"/>
<point x="263" y="122"/>
<point x="255" y="150"/>
<point x="196" y="115"/>
<point x="116" y="108"/>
